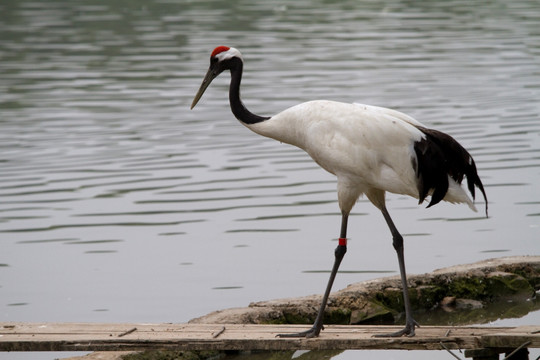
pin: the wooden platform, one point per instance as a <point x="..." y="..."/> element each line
<point x="114" y="337"/>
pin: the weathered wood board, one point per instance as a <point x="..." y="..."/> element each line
<point x="115" y="337"/>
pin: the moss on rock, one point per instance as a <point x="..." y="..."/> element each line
<point x="341" y="316"/>
<point x="372" y="313"/>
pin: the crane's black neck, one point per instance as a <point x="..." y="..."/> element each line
<point x="237" y="106"/>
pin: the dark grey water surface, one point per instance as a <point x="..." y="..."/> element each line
<point x="118" y="203"/>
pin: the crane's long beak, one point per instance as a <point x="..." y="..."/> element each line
<point x="211" y="74"/>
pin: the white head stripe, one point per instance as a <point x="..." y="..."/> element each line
<point x="225" y="55"/>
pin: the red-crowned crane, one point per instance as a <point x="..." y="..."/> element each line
<point x="370" y="150"/>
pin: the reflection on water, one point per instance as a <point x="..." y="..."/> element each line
<point x="491" y="312"/>
<point x="98" y="148"/>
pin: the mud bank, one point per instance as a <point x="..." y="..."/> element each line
<point x="458" y="295"/>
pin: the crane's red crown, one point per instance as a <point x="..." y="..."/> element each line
<point x="219" y="50"/>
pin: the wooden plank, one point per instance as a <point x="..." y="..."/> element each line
<point x="513" y="338"/>
<point x="115" y="337"/>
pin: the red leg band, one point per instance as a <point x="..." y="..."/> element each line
<point x="342" y="241"/>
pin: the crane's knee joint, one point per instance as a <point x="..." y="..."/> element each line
<point x="398" y="242"/>
<point x="340" y="251"/>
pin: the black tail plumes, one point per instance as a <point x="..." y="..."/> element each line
<point x="439" y="156"/>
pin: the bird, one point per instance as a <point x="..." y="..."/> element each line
<point x="371" y="150"/>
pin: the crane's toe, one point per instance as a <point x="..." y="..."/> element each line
<point x="408" y="330"/>
<point x="311" y="333"/>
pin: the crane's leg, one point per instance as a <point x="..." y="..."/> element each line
<point x="410" y="323"/>
<point x="339" y="254"/>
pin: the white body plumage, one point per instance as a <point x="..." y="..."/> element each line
<point x="370" y="149"/>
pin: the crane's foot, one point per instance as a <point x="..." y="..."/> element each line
<point x="311" y="333"/>
<point x="408" y="330"/>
